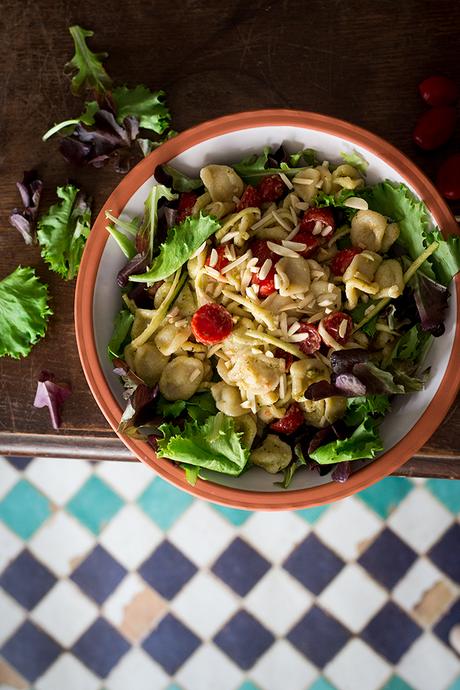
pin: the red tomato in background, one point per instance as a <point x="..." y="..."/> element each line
<point x="448" y="179"/>
<point x="435" y="127"/>
<point x="438" y="90"/>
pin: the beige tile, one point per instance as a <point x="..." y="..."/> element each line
<point x="11" y="678"/>
<point x="434" y="603"/>
<point x="140" y="615"/>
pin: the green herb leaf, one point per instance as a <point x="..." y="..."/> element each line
<point x="305" y="157"/>
<point x="121" y="332"/>
<point x="180" y="181"/>
<point x="24" y="312"/>
<point x="199" y="407"/>
<point x="191" y="473"/>
<point x="359" y="408"/>
<point x="412" y="345"/>
<point x="148" y="145"/>
<point x="91" y="74"/>
<point x="63" y="230"/>
<point x="147" y="106"/>
<point x="252" y="168"/>
<point x="364" y="442"/>
<point x="181" y="243"/>
<point x="356" y="160"/>
<point x="214" y="445"/>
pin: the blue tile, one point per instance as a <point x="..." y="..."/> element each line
<point x="24" y="509"/>
<point x="447" y="491"/>
<point x="455" y="685"/>
<point x="397" y="683"/>
<point x="95" y="504"/>
<point x="100" y="647"/>
<point x="311" y="515"/>
<point x="30" y="651"/>
<point x="171" y="643"/>
<point x="445" y="553"/>
<point x="321" y="684"/>
<point x="388" y="559"/>
<point x="99" y="574"/>
<point x="27" y="580"/>
<point x="244" y="639"/>
<point x="20" y="463"/>
<point x="167" y="570"/>
<point x="447" y="622"/>
<point x="240" y="567"/>
<point x="313" y="564"/>
<point x="391" y="632"/>
<point x="163" y="503"/>
<point x="386" y="495"/>
<point x="318" y="636"/>
<point x="233" y="515"/>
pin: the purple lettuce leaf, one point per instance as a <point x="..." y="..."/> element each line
<point x="137" y="264"/>
<point x="376" y="381"/>
<point x="349" y="385"/>
<point x="30" y="190"/>
<point x="343" y="361"/>
<point x="52" y="395"/>
<point x="431" y="299"/>
<point x="341" y="472"/>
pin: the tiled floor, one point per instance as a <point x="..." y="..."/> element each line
<point x="112" y="579"/>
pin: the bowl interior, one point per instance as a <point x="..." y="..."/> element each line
<point x="229" y="148"/>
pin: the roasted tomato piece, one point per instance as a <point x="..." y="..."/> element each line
<point x="339" y="326"/>
<point x="271" y="188"/>
<point x="312" y="242"/>
<point x="312" y="341"/>
<point x="211" y="324"/>
<point x="313" y="215"/>
<point x="292" y="420"/>
<point x="343" y="259"/>
<point x="261" y="251"/>
<point x="186" y="203"/>
<point x="288" y="358"/>
<point x="221" y="261"/>
<point x="249" y="199"/>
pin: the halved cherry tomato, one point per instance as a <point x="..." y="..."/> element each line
<point x="448" y="179"/>
<point x="261" y="251"/>
<point x="313" y="242"/>
<point x="292" y="420"/>
<point x="186" y="203"/>
<point x="312" y="341"/>
<point x="271" y="188"/>
<point x="250" y="198"/>
<point x="435" y="127"/>
<point x="312" y="215"/>
<point x="288" y="358"/>
<point x="332" y="324"/>
<point x="211" y="324"/>
<point x="221" y="259"/>
<point x="343" y="259"/>
<point x="438" y="90"/>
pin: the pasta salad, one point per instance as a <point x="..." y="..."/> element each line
<point x="271" y="311"/>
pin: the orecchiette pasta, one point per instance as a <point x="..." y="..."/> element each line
<point x="181" y="378"/>
<point x="247" y="426"/>
<point x="222" y="182"/>
<point x="306" y="184"/>
<point x="273" y="455"/>
<point x="346" y="177"/>
<point x="146" y="361"/>
<point x="227" y="399"/>
<point x="367" y="230"/>
<point x="389" y="277"/>
<point x="304" y="372"/>
<point x="170" y="338"/>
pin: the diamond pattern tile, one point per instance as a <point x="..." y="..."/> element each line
<point x="163" y="503"/>
<point x="128" y="480"/>
<point x="8" y="477"/>
<point x="27" y="580"/>
<point x="199" y="672"/>
<point x="347" y="528"/>
<point x="138" y="665"/>
<point x="444" y="627"/>
<point x="388" y="558"/>
<point x="358" y="666"/>
<point x="283" y="664"/>
<point x="445" y="554"/>
<point x="167" y="570"/>
<point x="61" y="544"/>
<point x="101" y="647"/>
<point x="240" y="567"/>
<point x="171" y="643"/>
<point x="98" y="574"/>
<point x="202" y="535"/>
<point x="11" y="616"/>
<point x="391" y="632"/>
<point x="244" y="639"/>
<point x="318" y="636"/>
<point x="236" y="517"/>
<point x="446" y="492"/>
<point x="24" y="509"/>
<point x="313" y="564"/>
<point x="406" y="522"/>
<point x="428" y="664"/>
<point x="10" y="546"/>
<point x="274" y="535"/>
<point x="59" y="480"/>
<point x="130" y="536"/>
<point x="95" y="504"/>
<point x="384" y="502"/>
<point x="69" y="673"/>
<point x="30" y="651"/>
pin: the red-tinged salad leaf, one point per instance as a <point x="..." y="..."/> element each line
<point x="257" y="166"/>
<point x="341" y="472"/>
<point x="24" y="312"/>
<point x="343" y="361"/>
<point x="51" y="395"/>
<point x="377" y="381"/>
<point x="431" y="299"/>
<point x="24" y="220"/>
<point x="89" y="72"/>
<point x="364" y="442"/>
<point x="63" y="230"/>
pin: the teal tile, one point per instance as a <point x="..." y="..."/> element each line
<point x="455" y="685"/>
<point x="397" y="683"/>
<point x="322" y="684"/>
<point x="386" y="495"/>
<point x="24" y="509"/>
<point x="95" y="504"/>
<point x="248" y="685"/>
<point x="447" y="491"/>
<point x="173" y="687"/>
<point x="311" y="515"/>
<point x="163" y="503"/>
<point x="233" y="515"/>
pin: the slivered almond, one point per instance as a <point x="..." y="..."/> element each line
<point x="302" y="180"/>
<point x="237" y="262"/>
<point x="318" y="228"/>
<point x="356" y="202"/>
<point x="343" y="328"/>
<point x="213" y="259"/>
<point x="265" y="269"/>
<point x="296" y="246"/>
<point x="228" y="236"/>
<point x="281" y="221"/>
<point x="286" y="181"/>
<point x="282" y="251"/>
<point x="293" y="328"/>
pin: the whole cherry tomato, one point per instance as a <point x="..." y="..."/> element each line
<point x="448" y="179"/>
<point x="435" y="127"/>
<point x="438" y="90"/>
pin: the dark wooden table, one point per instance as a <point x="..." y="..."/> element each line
<point x="357" y="60"/>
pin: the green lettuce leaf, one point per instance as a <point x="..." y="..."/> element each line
<point x="305" y="156"/>
<point x="369" y="328"/>
<point x="181" y="243"/>
<point x="359" y="408"/>
<point x="86" y="118"/>
<point x="446" y="257"/>
<point x="63" y="230"/>
<point x="291" y="469"/>
<point x="90" y="72"/>
<point x="147" y="106"/>
<point x="252" y="168"/>
<point x="356" y="160"/>
<point x="365" y="442"/>
<point x="121" y="331"/>
<point x="412" y="345"/>
<point x="24" y="312"/>
<point x="214" y="445"/>
<point x="180" y="181"/>
<point x="199" y="407"/>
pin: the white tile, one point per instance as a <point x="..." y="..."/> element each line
<point x="61" y="544"/>
<point x="11" y="616"/>
<point x="429" y="665"/>
<point x="420" y="519"/>
<point x="347" y="527"/>
<point x="353" y="597"/>
<point x="283" y="667"/>
<point x="58" y="478"/>
<point x="278" y="601"/>
<point x="136" y="670"/>
<point x="8" y="477"/>
<point x="275" y="535"/>
<point x="114" y="607"/>
<point x="418" y="580"/>
<point x="10" y="546"/>
<point x="65" y="613"/>
<point x="209" y="669"/>
<point x="205" y="605"/>
<point x="357" y="667"/>
<point x="130" y="536"/>
<point x="69" y="673"/>
<point x="128" y="479"/>
<point x="201" y="534"/>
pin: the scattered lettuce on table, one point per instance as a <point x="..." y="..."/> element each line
<point x="25" y="220"/>
<point x="51" y="395"/>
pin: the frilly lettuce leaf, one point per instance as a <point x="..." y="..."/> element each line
<point x="147" y="106"/>
<point x="199" y="407"/>
<point x="90" y="72"/>
<point x="24" y="312"/>
<point x="364" y="442"/>
<point x="358" y="409"/>
<point x="356" y="160"/>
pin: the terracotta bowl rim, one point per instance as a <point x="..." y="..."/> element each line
<point x="239" y="498"/>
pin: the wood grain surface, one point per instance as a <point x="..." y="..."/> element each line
<point x="359" y="60"/>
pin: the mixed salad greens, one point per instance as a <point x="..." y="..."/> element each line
<point x="271" y="311"/>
